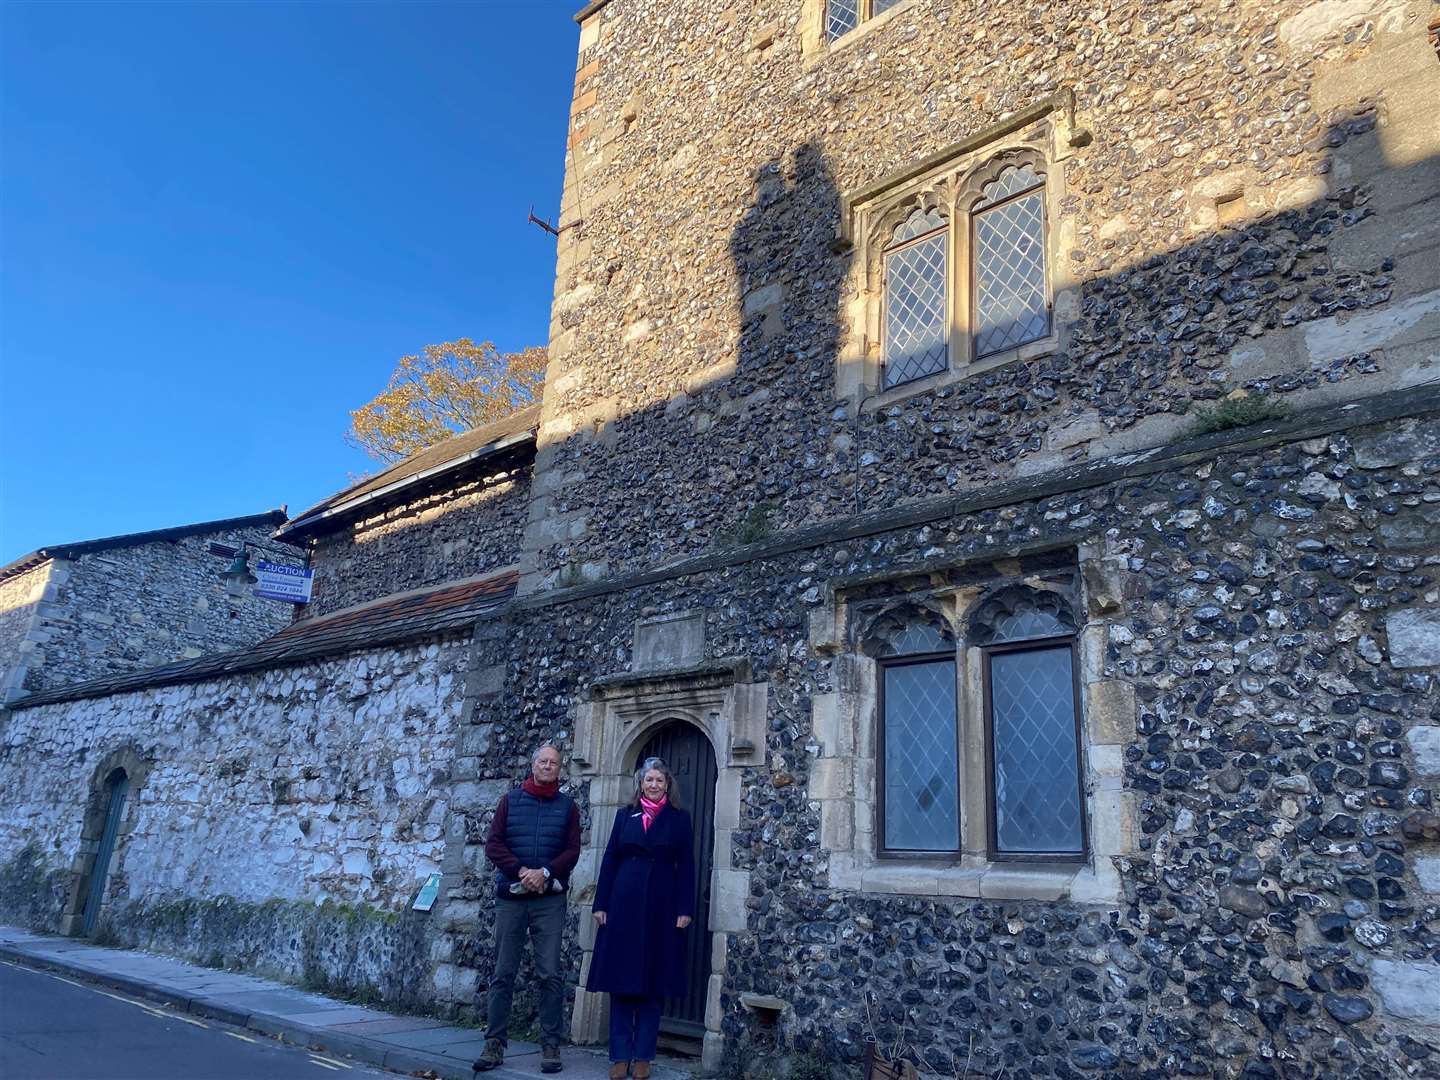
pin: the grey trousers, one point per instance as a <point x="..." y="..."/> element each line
<point x="543" y="920"/>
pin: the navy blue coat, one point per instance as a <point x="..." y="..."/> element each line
<point x="647" y="881"/>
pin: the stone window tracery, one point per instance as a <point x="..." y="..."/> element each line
<point x="954" y="275"/>
<point x="977" y="723"/>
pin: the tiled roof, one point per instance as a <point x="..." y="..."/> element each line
<point x="479" y="445"/>
<point x="411" y="617"/>
<point x="109" y="543"/>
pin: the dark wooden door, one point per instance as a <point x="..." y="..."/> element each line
<point x="691" y="758"/>
<point x="118" y="786"/>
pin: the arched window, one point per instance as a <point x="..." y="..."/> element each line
<point x="919" y="762"/>
<point x="1011" y="305"/>
<point x="1032" y="731"/>
<point x="916" y="298"/>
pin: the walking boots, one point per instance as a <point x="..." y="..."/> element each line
<point x="492" y="1057"/>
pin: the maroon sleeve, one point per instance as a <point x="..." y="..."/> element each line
<point x="495" y="849"/>
<point x="564" y="863"/>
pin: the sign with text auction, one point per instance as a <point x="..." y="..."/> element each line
<point x="274" y="581"/>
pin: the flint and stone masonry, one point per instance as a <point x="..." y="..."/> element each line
<point x="99" y="608"/>
<point x="730" y="508"/>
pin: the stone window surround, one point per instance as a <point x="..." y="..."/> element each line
<point x="610" y="729"/>
<point x="842" y="784"/>
<point x="1045" y="135"/>
<point x="815" y="45"/>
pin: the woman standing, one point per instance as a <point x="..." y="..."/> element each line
<point x="644" y="900"/>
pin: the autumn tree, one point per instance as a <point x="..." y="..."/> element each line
<point x="448" y="389"/>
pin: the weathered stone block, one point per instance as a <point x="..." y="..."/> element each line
<point x="1424" y="740"/>
<point x="1414" y="637"/>
<point x="1407" y="989"/>
<point x="1110" y="711"/>
<point x="669" y="641"/>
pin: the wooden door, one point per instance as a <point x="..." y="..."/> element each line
<point x="691" y="758"/>
<point x="118" y="786"/>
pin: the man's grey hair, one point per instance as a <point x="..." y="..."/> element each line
<point x="546" y="746"/>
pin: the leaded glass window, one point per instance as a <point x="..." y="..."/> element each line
<point x="1011" y="306"/>
<point x="916" y="295"/>
<point x="841" y="16"/>
<point x="919" y="740"/>
<point x="1032" y="725"/>
<point x="921" y="756"/>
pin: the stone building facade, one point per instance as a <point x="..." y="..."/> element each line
<point x="276" y="808"/>
<point x="79" y="611"/>
<point x="884" y="340"/>
<point x="993" y="452"/>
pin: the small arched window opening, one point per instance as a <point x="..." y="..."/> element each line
<point x="916" y="298"/>
<point x="1032" y="725"/>
<point x="1011" y="295"/>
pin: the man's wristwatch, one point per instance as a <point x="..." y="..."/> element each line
<point x="546" y="871"/>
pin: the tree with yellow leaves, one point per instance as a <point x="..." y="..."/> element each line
<point x="448" y="389"/>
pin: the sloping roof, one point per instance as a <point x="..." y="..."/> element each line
<point x="406" y="618"/>
<point x="428" y="465"/>
<point x="109" y="543"/>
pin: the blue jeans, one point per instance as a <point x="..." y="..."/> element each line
<point x="634" y="1027"/>
<point x="542" y="920"/>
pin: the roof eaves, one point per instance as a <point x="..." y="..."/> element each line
<point x="297" y="529"/>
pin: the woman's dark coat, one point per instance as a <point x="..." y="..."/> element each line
<point x="647" y="881"/>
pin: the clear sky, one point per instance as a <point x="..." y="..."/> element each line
<point x="221" y="224"/>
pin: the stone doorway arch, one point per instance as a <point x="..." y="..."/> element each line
<point x="623" y="714"/>
<point x="115" y="783"/>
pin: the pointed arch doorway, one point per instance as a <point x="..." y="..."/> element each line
<point x="688" y="753"/>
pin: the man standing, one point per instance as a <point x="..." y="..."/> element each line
<point x="534" y="843"/>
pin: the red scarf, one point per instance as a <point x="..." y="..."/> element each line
<point x="539" y="790"/>
<point x="650" y="809"/>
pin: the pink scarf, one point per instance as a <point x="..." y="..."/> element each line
<point x="650" y="809"/>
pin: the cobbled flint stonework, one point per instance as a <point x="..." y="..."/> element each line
<point x="726" y="507"/>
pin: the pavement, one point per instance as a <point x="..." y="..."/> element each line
<point x="403" y="1044"/>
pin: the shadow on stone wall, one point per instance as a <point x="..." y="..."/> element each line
<point x="1256" y="305"/>
<point x="763" y="444"/>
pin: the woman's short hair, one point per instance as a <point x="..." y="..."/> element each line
<point x="658" y="765"/>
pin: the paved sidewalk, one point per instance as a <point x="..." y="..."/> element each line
<point x="405" y="1044"/>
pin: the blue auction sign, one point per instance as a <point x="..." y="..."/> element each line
<point x="274" y="581"/>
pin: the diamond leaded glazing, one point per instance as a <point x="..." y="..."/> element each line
<point x="1011" y="181"/>
<point x="841" y="16"/>
<point x="915" y="317"/>
<point x="1037" y="798"/>
<point x="1010" y="307"/>
<point x="922" y="808"/>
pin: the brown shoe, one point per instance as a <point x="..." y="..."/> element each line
<point x="619" y="1070"/>
<point x="640" y="1070"/>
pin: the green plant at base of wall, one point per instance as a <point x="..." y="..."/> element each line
<point x="1240" y="409"/>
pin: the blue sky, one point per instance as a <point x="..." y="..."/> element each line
<point x="222" y="224"/>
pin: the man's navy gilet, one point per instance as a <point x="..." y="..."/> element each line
<point x="535" y="830"/>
